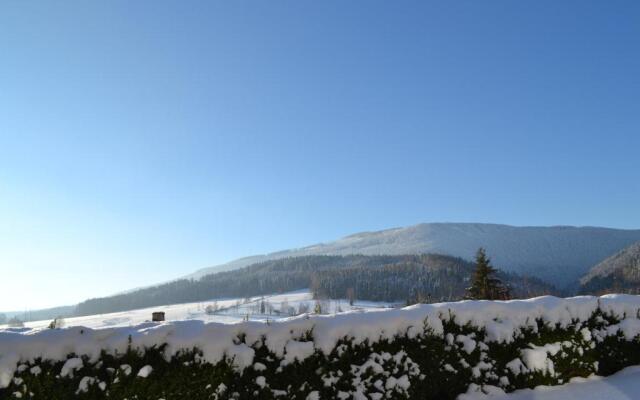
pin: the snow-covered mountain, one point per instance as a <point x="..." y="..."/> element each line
<point x="558" y="254"/>
<point x="621" y="272"/>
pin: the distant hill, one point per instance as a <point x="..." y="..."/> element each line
<point x="557" y="254"/>
<point x="38" y="315"/>
<point x="619" y="273"/>
<point x="384" y="278"/>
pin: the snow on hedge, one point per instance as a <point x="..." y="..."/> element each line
<point x="287" y="338"/>
<point x="621" y="386"/>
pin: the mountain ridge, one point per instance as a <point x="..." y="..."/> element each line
<point x="560" y="254"/>
<point x="619" y="272"/>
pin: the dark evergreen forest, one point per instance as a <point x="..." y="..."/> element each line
<point x="399" y="278"/>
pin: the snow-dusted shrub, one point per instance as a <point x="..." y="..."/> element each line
<point x="426" y="352"/>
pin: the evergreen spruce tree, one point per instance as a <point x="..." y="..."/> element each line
<point x="484" y="284"/>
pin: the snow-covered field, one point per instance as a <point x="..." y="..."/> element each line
<point x="625" y="385"/>
<point x="276" y="307"/>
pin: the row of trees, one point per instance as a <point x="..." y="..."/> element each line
<point x="426" y="279"/>
<point x="406" y="278"/>
<point x="264" y="278"/>
<point x="13" y="322"/>
<point x="423" y="278"/>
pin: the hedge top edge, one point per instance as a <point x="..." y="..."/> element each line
<point x="290" y="338"/>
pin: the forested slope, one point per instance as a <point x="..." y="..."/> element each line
<point x="404" y="278"/>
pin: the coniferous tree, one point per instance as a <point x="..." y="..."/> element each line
<point x="484" y="283"/>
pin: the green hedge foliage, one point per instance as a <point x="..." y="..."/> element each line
<point x="425" y="367"/>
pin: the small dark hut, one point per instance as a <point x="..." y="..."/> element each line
<point x="157" y="316"/>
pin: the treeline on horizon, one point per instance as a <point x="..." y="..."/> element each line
<point x="393" y="278"/>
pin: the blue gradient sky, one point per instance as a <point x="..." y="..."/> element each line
<point x="140" y="141"/>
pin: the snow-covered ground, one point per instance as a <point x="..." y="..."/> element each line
<point x="276" y="307"/>
<point x="625" y="385"/>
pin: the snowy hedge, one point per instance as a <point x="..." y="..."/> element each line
<point x="433" y="351"/>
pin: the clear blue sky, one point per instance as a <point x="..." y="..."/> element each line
<point x="140" y="141"/>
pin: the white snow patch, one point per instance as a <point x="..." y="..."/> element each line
<point x="145" y="371"/>
<point x="70" y="366"/>
<point x="624" y="385"/>
<point x="84" y="384"/>
<point x="537" y="357"/>
<point x="295" y="350"/>
<point x="315" y="395"/>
